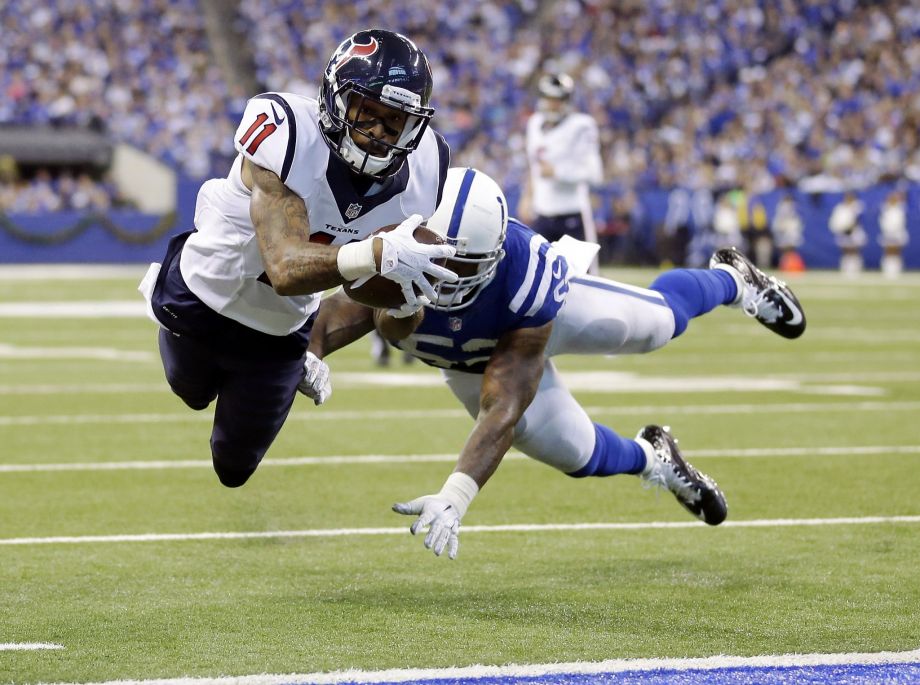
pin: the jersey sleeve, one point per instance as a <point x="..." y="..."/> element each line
<point x="267" y="134"/>
<point x="583" y="162"/>
<point x="537" y="279"/>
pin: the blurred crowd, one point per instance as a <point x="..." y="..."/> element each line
<point x="140" y="69"/>
<point x="720" y="94"/>
<point x="64" y="191"/>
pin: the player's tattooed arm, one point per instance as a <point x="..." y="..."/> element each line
<point x="293" y="264"/>
<point x="509" y="384"/>
<point x="340" y="322"/>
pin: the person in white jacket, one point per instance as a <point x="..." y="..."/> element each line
<point x="563" y="153"/>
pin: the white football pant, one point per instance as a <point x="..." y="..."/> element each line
<point x="599" y="317"/>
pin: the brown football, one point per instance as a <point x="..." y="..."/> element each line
<point x="381" y="292"/>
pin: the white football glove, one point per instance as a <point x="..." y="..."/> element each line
<point x="406" y="261"/>
<point x="442" y="519"/>
<point x="442" y="513"/>
<point x="407" y="310"/>
<point x="316" y="383"/>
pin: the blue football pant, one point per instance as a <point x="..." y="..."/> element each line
<point x="254" y="398"/>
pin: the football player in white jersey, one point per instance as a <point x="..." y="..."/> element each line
<point x="563" y="153"/>
<point x="518" y="303"/>
<point x="313" y="180"/>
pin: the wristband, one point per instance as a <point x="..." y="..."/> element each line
<point x="459" y="489"/>
<point x="356" y="260"/>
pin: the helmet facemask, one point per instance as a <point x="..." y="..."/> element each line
<point x="383" y="158"/>
<point x="474" y="272"/>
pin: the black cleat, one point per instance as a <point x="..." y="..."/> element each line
<point x="697" y="492"/>
<point x="763" y="297"/>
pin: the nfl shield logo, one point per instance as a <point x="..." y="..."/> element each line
<point x="455" y="323"/>
<point x="354" y="209"/>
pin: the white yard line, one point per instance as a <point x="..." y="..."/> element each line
<point x="328" y="414"/>
<point x="507" y="528"/>
<point x="27" y="646"/>
<point x="358" y="379"/>
<point x="70" y="272"/>
<point x="77" y="309"/>
<point x="15" y="352"/>
<point x="449" y="457"/>
<point x="584" y="668"/>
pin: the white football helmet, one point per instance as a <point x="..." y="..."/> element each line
<point x="473" y="217"/>
<point x="555" y="96"/>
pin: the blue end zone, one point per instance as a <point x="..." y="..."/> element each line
<point x="890" y="674"/>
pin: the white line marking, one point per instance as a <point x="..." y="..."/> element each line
<point x="874" y="336"/>
<point x="162" y="387"/>
<point x="27" y="646"/>
<point x="448" y="457"/>
<point x="206" y="463"/>
<point x="357" y="379"/>
<point x="506" y="528"/>
<point x="97" y="309"/>
<point x="103" y="353"/>
<point x="469" y="673"/>
<point x="326" y="414"/>
<point x="85" y="388"/>
<point x="76" y="272"/>
<point x="615" y="382"/>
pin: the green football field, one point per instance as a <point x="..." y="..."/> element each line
<point x="120" y="548"/>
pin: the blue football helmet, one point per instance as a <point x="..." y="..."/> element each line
<point x="386" y="68"/>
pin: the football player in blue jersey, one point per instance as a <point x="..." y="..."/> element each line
<point x="314" y="179"/>
<point x="517" y="303"/>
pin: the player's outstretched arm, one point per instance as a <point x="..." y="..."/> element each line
<point x="340" y="322"/>
<point x="509" y="384"/>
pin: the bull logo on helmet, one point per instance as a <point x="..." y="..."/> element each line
<point x="357" y="50"/>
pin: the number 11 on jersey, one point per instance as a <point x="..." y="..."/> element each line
<point x="266" y="131"/>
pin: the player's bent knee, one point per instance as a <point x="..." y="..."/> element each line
<point x="196" y="400"/>
<point x="234" y="464"/>
<point x="196" y="404"/>
<point x="232" y="478"/>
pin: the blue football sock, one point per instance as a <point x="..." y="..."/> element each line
<point x="612" y="455"/>
<point x="692" y="292"/>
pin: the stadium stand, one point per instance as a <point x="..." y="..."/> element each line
<point x="758" y="97"/>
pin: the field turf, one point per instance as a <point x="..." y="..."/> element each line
<point x="815" y="442"/>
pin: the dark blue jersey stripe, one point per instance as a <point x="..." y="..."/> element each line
<point x="292" y="131"/>
<point x="443" y="162"/>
